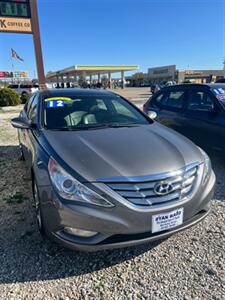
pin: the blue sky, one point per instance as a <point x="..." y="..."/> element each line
<point x="188" y="33"/>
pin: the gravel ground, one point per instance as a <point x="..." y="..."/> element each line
<point x="189" y="265"/>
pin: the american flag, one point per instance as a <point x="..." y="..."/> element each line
<point x="15" y="55"/>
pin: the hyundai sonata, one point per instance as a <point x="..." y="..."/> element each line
<point x="105" y="175"/>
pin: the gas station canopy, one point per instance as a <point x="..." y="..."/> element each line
<point x="88" y="70"/>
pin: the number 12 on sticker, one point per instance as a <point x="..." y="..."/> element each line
<point x="52" y="103"/>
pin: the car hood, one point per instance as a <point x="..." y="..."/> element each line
<point x="113" y="152"/>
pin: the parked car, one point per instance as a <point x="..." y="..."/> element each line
<point x="105" y="175"/>
<point x="166" y="83"/>
<point x="221" y="80"/>
<point x="24" y="88"/>
<point x="154" y="88"/>
<point x="195" y="110"/>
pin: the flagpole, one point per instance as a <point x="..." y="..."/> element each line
<point x="12" y="68"/>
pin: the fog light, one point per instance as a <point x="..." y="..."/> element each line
<point x="79" y="232"/>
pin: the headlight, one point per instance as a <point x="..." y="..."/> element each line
<point x="207" y="166"/>
<point x="69" y="188"/>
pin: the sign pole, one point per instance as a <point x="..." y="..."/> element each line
<point x="37" y="44"/>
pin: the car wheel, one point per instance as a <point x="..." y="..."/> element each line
<point x="37" y="204"/>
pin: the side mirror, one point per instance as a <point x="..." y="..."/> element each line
<point x="152" y="114"/>
<point x="21" y="123"/>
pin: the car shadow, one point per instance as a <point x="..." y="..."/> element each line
<point x="24" y="254"/>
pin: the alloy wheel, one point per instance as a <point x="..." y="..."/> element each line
<point x="38" y="209"/>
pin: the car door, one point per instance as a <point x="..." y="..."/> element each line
<point x="203" y="119"/>
<point x="169" y="106"/>
<point x="31" y="114"/>
<point x="22" y="132"/>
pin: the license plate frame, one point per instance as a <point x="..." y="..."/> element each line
<point x="167" y="220"/>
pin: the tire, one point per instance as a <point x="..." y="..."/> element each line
<point x="38" y="211"/>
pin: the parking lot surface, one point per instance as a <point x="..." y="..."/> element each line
<point x="137" y="95"/>
<point x="188" y="265"/>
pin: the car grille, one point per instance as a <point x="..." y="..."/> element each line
<point x="145" y="190"/>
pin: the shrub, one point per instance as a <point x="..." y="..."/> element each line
<point x="25" y="97"/>
<point x="9" y="97"/>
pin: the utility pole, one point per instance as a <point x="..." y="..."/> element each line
<point x="37" y="44"/>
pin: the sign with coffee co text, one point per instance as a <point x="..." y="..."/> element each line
<point x="15" y="25"/>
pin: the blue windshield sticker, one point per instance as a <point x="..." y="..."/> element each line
<point x="222" y="91"/>
<point x="220" y="94"/>
<point x="219" y="91"/>
<point x="54" y="104"/>
<point x="221" y="97"/>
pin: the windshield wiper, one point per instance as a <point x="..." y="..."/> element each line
<point x="112" y="125"/>
<point x="116" y="125"/>
<point x="96" y="126"/>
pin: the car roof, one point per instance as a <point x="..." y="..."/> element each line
<point x="192" y="85"/>
<point x="216" y="85"/>
<point x="75" y="91"/>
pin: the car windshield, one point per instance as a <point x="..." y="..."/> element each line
<point x="219" y="91"/>
<point x="90" y="112"/>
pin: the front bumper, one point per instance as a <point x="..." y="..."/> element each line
<point x="119" y="226"/>
<point x="121" y="241"/>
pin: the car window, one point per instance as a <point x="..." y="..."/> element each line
<point x="219" y="92"/>
<point x="89" y="111"/>
<point x="174" y="99"/>
<point x="159" y="98"/>
<point x="28" y="104"/>
<point x="171" y="99"/>
<point x="25" y="86"/>
<point x="32" y="112"/>
<point x="122" y="110"/>
<point x="200" y="101"/>
<point x="13" y="86"/>
<point x="101" y="104"/>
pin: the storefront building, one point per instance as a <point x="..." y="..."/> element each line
<point x="170" y="73"/>
<point x="199" y="76"/>
<point x="159" y="74"/>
